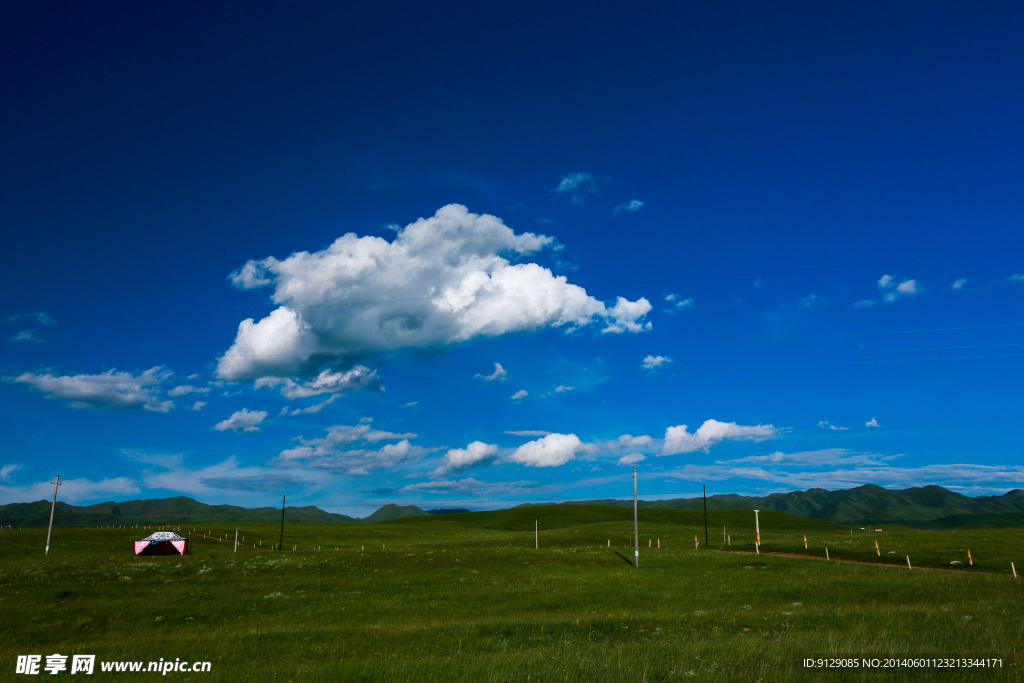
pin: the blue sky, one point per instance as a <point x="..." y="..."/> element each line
<point x="475" y="256"/>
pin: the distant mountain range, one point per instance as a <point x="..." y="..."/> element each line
<point x="178" y="509"/>
<point x="928" y="507"/>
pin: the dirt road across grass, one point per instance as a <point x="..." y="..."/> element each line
<point x="870" y="564"/>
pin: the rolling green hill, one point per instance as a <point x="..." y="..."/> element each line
<point x="1009" y="520"/>
<point x="929" y="507"/>
<point x="155" y="511"/>
<point x="392" y="511"/>
<point x="869" y="504"/>
<point x="568" y="516"/>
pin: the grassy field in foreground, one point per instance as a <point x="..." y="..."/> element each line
<point x="467" y="598"/>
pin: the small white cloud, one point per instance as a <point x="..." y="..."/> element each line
<point x="27" y="336"/>
<point x="628" y="441"/>
<point x="863" y="303"/>
<point x="677" y="303"/>
<point x="652" y="362"/>
<point x="631" y="206"/>
<point x="328" y="381"/>
<point x="631" y="459"/>
<point x="187" y="389"/>
<point x="885" y="282"/>
<point x="333" y="453"/>
<point x="315" y="408"/>
<point x="473" y="487"/>
<point x="627" y="316"/>
<point x="561" y="388"/>
<point x="905" y="288"/>
<point x="410" y="404"/>
<point x="678" y="440"/>
<point x="520" y="395"/>
<point x="244" y="420"/>
<point x="5" y="471"/>
<point x="959" y="284"/>
<point x="1016" y="278"/>
<point x="498" y="375"/>
<point x="475" y="453"/>
<point x="551" y="451"/>
<point x="113" y="390"/>
<point x="811" y="300"/>
<point x="39" y="318"/>
<point x="198" y="405"/>
<point x="576" y="186"/>
<point x="872" y="423"/>
<point x="572" y="181"/>
<point x="249" y="276"/>
<point x="167" y="462"/>
<point x="528" y="432"/>
<point x="835" y="428"/>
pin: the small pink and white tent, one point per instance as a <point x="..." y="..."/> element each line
<point x="162" y="543"/>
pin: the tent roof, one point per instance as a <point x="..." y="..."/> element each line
<point x="164" y="536"/>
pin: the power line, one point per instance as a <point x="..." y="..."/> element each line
<point x="787" y="355"/>
<point x="724" y="367"/>
<point x="597" y="370"/>
<point x="9" y="489"/>
<point x="376" y="302"/>
<point x="646" y="344"/>
<point x="14" y="426"/>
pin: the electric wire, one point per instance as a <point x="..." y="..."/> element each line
<point x="376" y="302"/>
<point x="583" y="367"/>
<point x="14" y="426"/>
<point x="561" y="347"/>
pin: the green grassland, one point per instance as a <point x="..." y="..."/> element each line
<point x="467" y="597"/>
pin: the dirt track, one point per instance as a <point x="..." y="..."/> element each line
<point x="870" y="564"/>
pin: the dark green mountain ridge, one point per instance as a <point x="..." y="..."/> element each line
<point x="869" y="504"/>
<point x="928" y="507"/>
<point x="175" y="510"/>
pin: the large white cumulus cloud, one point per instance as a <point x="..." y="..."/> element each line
<point x="442" y="280"/>
<point x="551" y="451"/>
<point x="678" y="440"/>
<point x="474" y="454"/>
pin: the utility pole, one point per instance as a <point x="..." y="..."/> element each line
<point x="52" y="508"/>
<point x="705" y="487"/>
<point x="636" y="526"/>
<point x="757" y="528"/>
<point x="536" y="534"/>
<point x="236" y="540"/>
<point x="280" y="545"/>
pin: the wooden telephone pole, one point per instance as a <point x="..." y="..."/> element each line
<point x="53" y="507"/>
<point x="636" y="527"/>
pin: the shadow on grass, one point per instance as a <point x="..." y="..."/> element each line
<point x="624" y="558"/>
